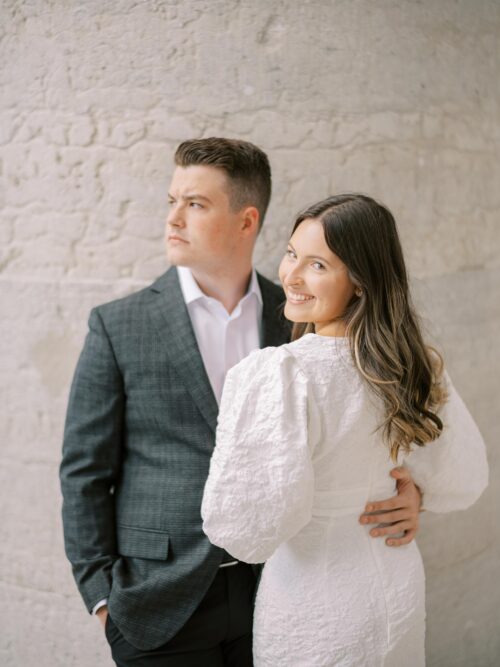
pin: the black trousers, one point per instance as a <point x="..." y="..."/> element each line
<point x="218" y="634"/>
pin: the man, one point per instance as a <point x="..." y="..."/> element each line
<point x="141" y="422"/>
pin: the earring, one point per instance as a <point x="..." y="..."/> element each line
<point x="358" y="291"/>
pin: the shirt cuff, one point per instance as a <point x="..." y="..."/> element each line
<point x="101" y="603"/>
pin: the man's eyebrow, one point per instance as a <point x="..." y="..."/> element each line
<point x="191" y="197"/>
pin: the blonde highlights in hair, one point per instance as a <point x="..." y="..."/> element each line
<point x="383" y="329"/>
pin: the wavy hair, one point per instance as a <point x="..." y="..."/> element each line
<point x="381" y="324"/>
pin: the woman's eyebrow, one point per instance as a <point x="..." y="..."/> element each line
<point x="323" y="259"/>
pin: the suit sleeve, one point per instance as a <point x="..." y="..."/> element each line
<point x="260" y="487"/>
<point x="91" y="463"/>
<point x="452" y="471"/>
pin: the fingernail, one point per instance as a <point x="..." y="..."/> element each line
<point x="369" y="508"/>
<point x="390" y="542"/>
<point x="374" y="533"/>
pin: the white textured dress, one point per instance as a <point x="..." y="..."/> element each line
<point x="297" y="457"/>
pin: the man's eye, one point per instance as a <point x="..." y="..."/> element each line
<point x="195" y="204"/>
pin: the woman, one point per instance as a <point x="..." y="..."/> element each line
<point x="309" y="431"/>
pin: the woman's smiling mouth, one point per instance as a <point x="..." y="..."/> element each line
<point x="297" y="297"/>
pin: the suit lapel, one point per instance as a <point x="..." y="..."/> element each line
<point x="171" y="319"/>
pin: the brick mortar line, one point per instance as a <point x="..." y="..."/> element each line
<point x="89" y="281"/>
<point x="43" y="591"/>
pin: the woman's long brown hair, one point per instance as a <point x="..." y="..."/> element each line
<point x="382" y="326"/>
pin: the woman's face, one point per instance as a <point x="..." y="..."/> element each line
<point x="315" y="280"/>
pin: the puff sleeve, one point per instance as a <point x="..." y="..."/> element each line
<point x="452" y="471"/>
<point x="260" y="487"/>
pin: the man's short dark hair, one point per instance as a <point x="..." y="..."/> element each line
<point x="246" y="166"/>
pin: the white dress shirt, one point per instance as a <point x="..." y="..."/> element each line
<point x="223" y="339"/>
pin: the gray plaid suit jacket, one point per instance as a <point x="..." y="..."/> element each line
<point x="139" y="434"/>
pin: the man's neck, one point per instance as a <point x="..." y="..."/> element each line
<point x="228" y="288"/>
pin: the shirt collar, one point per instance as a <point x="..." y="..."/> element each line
<point x="191" y="290"/>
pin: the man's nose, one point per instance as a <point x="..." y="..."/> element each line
<point x="174" y="217"/>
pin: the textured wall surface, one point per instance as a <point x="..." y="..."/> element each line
<point x="399" y="99"/>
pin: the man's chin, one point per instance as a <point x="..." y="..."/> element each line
<point x="177" y="258"/>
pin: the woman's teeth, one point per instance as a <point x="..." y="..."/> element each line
<point x="295" y="296"/>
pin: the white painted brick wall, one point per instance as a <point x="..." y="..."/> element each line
<point x="395" y="98"/>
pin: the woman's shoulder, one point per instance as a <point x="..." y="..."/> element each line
<point x="269" y="366"/>
<point x="264" y="360"/>
<point x="307" y="355"/>
<point x="321" y="346"/>
<point x="323" y="355"/>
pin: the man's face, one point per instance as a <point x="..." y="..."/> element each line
<point x="202" y="230"/>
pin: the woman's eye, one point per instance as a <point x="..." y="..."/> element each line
<point x="195" y="204"/>
<point x="290" y="253"/>
<point x="318" y="265"/>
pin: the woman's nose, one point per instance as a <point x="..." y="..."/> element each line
<point x="294" y="277"/>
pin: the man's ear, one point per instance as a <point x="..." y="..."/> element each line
<point x="250" y="220"/>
